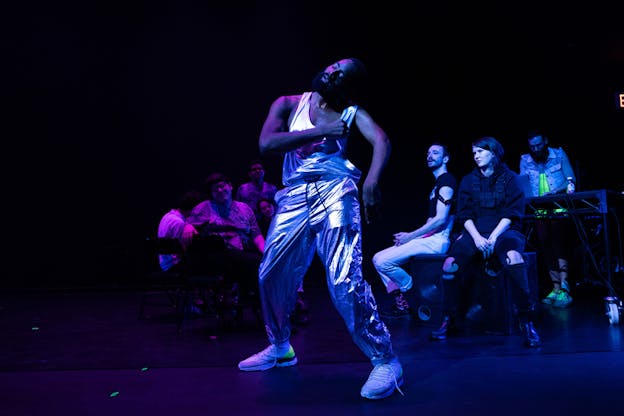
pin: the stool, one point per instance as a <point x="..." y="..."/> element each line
<point x="179" y="287"/>
<point x="487" y="304"/>
<point x="425" y="298"/>
<point x="492" y="306"/>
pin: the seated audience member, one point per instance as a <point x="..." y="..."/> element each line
<point x="235" y="224"/>
<point x="490" y="207"/>
<point x="547" y="169"/>
<point x="251" y="192"/>
<point x="433" y="237"/>
<point x="172" y="226"/>
<point x="266" y="207"/>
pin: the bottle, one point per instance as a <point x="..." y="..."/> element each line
<point x="571" y="187"/>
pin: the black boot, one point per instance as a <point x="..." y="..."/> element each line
<point x="526" y="304"/>
<point x="442" y="332"/>
<point x="531" y="337"/>
<point x="450" y="298"/>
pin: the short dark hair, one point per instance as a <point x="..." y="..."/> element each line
<point x="189" y="200"/>
<point x="213" y="179"/>
<point x="359" y="72"/>
<point x="255" y="162"/>
<point x="343" y="87"/>
<point x="265" y="199"/>
<point x="493" y="145"/>
<point x="535" y="133"/>
<point x="355" y="80"/>
<point x="445" y="150"/>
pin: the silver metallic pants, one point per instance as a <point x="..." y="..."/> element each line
<point x="321" y="216"/>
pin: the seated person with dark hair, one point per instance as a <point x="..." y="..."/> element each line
<point x="267" y="208"/>
<point x="238" y="257"/>
<point x="172" y="226"/>
<point x="490" y="207"/>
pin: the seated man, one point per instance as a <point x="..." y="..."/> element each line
<point x="433" y="237"/>
<point x="239" y="256"/>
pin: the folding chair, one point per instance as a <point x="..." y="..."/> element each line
<point x="179" y="285"/>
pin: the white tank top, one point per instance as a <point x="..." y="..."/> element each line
<point x="326" y="158"/>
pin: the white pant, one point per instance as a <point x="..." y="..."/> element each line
<point x="389" y="261"/>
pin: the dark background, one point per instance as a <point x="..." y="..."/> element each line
<point x="112" y="109"/>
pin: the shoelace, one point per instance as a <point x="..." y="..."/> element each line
<point x="394" y="377"/>
<point x="396" y="384"/>
<point x="268" y="354"/>
<point x="265" y="355"/>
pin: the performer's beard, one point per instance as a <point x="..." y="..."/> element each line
<point x="329" y="87"/>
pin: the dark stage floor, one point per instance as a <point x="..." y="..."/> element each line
<point x="85" y="353"/>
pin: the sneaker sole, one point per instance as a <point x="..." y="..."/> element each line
<point x="284" y="362"/>
<point x="287" y="362"/>
<point x="386" y="393"/>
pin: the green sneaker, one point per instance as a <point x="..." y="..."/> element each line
<point x="563" y="300"/>
<point x="550" y="298"/>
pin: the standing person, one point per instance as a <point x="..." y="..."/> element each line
<point x="490" y="207"/>
<point x="251" y="192"/>
<point x="433" y="237"/>
<point x="547" y="169"/>
<point x="319" y="210"/>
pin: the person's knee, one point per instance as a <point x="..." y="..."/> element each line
<point x="514" y="257"/>
<point x="377" y="261"/>
<point x="382" y="263"/>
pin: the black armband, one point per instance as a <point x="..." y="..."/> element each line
<point x="444" y="201"/>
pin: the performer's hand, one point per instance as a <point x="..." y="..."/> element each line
<point x="337" y="128"/>
<point x="372" y="213"/>
<point x="371" y="194"/>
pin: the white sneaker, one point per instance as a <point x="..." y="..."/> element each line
<point x="383" y="380"/>
<point x="268" y="358"/>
